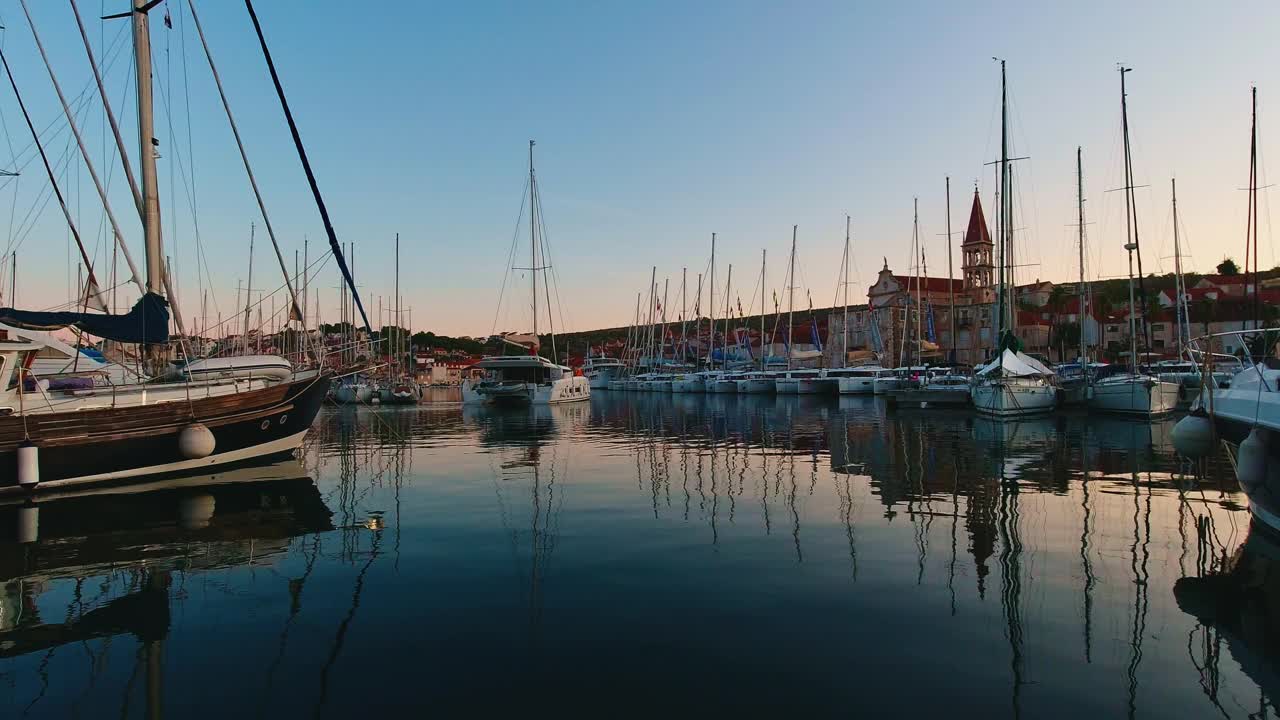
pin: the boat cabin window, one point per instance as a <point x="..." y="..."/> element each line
<point x="530" y="374"/>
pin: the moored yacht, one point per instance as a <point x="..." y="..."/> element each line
<point x="1012" y="385"/>
<point x="1133" y="394"/>
<point x="858" y="380"/>
<point x="602" y="371"/>
<point x="525" y="379"/>
<point x="1246" y="416"/>
<point x="758" y="383"/>
<point x="725" y="383"/>
<point x="887" y="381"/>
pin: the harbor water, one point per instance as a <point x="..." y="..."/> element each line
<point x="670" y="554"/>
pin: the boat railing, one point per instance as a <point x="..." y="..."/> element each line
<point x="1244" y="335"/>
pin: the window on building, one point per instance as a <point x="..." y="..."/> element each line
<point x="1157" y="327"/>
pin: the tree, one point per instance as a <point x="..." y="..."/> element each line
<point x="1228" y="267"/>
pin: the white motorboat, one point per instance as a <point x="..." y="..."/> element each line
<point x="899" y="378"/>
<point x="858" y="380"/>
<point x="1133" y="394"/>
<point x="525" y="379"/>
<point x="689" y="383"/>
<point x="757" y="383"/>
<point x="725" y="383"/>
<point x="1013" y="385"/>
<point x="602" y="371"/>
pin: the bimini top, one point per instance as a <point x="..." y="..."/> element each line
<point x="1014" y="364"/>
<point x="494" y="362"/>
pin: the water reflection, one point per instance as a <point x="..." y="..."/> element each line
<point x="480" y="556"/>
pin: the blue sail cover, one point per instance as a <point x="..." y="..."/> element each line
<point x="147" y="322"/>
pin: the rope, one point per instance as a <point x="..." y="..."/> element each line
<point x="306" y="166"/>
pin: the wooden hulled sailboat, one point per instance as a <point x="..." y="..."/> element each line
<point x="200" y="416"/>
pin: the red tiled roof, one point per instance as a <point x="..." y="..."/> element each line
<point x="977" y="232"/>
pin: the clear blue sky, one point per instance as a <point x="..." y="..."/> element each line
<point x="657" y="124"/>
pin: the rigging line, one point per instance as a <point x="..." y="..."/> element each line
<point x="244" y="157"/>
<point x="56" y="125"/>
<point x="306" y="166"/>
<point x="511" y="256"/>
<point x="93" y="281"/>
<point x="84" y="151"/>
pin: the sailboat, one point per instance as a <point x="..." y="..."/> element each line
<point x="528" y="379"/>
<point x="1133" y="392"/>
<point x="798" y="381"/>
<point x="1013" y="384"/>
<point x="1244" y="413"/>
<point x="399" y="387"/>
<point x="178" y="422"/>
<point x="1076" y="379"/>
<point x="846" y="379"/>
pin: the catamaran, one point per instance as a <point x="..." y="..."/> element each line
<point x="528" y="379"/>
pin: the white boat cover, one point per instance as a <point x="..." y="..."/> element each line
<point x="1011" y="364"/>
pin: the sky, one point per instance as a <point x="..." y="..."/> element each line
<point x="656" y="124"/>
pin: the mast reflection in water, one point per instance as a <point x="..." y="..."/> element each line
<point x="673" y="554"/>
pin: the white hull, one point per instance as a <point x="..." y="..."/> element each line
<point x="723" y="386"/>
<point x="617" y="385"/>
<point x="856" y="385"/>
<point x="1013" y="397"/>
<point x="660" y="386"/>
<point x="786" y="386"/>
<point x="688" y="385"/>
<point x="602" y="379"/>
<point x="570" y="389"/>
<point x="816" y="386"/>
<point x="1135" y="396"/>
<point x="756" y="386"/>
<point x="880" y="386"/>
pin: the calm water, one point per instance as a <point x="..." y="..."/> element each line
<point x="677" y="555"/>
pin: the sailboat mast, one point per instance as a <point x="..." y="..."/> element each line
<point x="1008" y="296"/>
<point x="791" y="297"/>
<point x="697" y="314"/>
<point x="1252" y="227"/>
<point x="248" y="290"/>
<point x="146" y="153"/>
<point x="1131" y="209"/>
<point x="764" y="253"/>
<point x="951" y="286"/>
<point x="915" y="233"/>
<point x="399" y="332"/>
<point x="711" y="298"/>
<point x="1178" y="315"/>
<point x="662" y="335"/>
<point x="728" y="283"/>
<point x="845" y="339"/>
<point x="1083" y="292"/>
<point x="684" y="315"/>
<point x="533" y="242"/>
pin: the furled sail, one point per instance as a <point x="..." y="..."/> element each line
<point x="147" y="322"/>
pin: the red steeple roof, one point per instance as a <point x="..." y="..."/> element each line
<point x="977" y="234"/>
